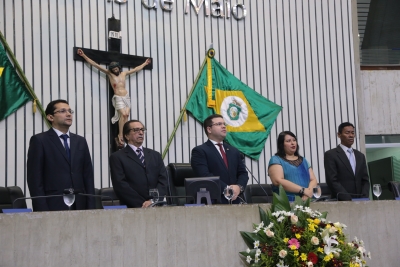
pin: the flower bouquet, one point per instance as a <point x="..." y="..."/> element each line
<point x="298" y="236"/>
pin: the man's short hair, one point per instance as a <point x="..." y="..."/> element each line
<point x="344" y="124"/>
<point x="51" y="107"/>
<point x="126" y="129"/>
<point x="113" y="65"/>
<point x="208" y="121"/>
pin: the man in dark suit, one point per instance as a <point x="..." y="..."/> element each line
<point x="135" y="169"/>
<point x="345" y="168"/>
<point x="215" y="158"/>
<point x="59" y="160"/>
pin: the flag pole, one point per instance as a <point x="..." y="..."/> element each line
<point x="23" y="77"/>
<point x="183" y="110"/>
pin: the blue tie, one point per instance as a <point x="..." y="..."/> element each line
<point x="67" y="150"/>
<point x="352" y="161"/>
<point x="140" y="155"/>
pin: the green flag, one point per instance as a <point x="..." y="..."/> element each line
<point x="13" y="92"/>
<point x="249" y="115"/>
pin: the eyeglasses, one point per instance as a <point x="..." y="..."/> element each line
<point x="219" y="124"/>
<point x="136" y="130"/>
<point x="63" y="111"/>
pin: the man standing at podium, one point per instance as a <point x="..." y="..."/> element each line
<point x="135" y="169"/>
<point x="216" y="158"/>
<point x="59" y="160"/>
<point x="345" y="168"/>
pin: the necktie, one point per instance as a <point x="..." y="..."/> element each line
<point x="352" y="161"/>
<point x="140" y="155"/>
<point x="223" y="154"/>
<point x="67" y="150"/>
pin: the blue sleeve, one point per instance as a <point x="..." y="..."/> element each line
<point x="274" y="160"/>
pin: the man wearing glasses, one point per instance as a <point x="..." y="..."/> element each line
<point x="59" y="160"/>
<point x="216" y="158"/>
<point x="135" y="169"/>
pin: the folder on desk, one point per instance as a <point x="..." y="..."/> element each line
<point x="115" y="207"/>
<point x="16" y="210"/>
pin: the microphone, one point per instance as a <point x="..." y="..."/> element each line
<point x="25" y="198"/>
<point x="162" y="203"/>
<point x="350" y="195"/>
<point x="80" y="192"/>
<point x="254" y="178"/>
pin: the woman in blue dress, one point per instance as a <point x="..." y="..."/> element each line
<point x="289" y="169"/>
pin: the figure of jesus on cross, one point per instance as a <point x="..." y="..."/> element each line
<point x="121" y="100"/>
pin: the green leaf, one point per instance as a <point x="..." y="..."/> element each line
<point x="249" y="238"/>
<point x="280" y="201"/>
<point x="263" y="216"/>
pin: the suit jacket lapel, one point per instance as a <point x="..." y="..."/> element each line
<point x="57" y="142"/>
<point x="343" y="157"/>
<point x="358" y="157"/>
<point x="73" y="145"/>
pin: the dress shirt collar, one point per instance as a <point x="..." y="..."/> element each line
<point x="135" y="148"/>
<point x="345" y="148"/>
<point x="58" y="132"/>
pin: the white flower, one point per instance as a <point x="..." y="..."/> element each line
<point x="248" y="259"/>
<point x="269" y="233"/>
<point x="281" y="264"/>
<point x="307" y="210"/>
<point x="256" y="259"/>
<point x="294" y="219"/>
<point x="330" y="242"/>
<point x="332" y="229"/>
<point x="256" y="244"/>
<point x="310" y="264"/>
<point x="258" y="252"/>
<point x="298" y="207"/>
<point x="314" y="240"/>
<point x="248" y="250"/>
<point x="282" y="253"/>
<point x="369" y="255"/>
<point x="336" y="254"/>
<point x="337" y="225"/>
<point x="350" y="245"/>
<point x="280" y="219"/>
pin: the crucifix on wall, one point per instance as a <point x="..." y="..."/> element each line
<point x="115" y="60"/>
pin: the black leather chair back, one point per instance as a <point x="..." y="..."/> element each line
<point x="178" y="172"/>
<point x="325" y="191"/>
<point x="394" y="187"/>
<point x="110" y="194"/>
<point x="8" y="195"/>
<point x="254" y="193"/>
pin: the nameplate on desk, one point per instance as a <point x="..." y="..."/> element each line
<point x="16" y="210"/>
<point x="115" y="207"/>
<point x="194" y="205"/>
<point x="361" y="199"/>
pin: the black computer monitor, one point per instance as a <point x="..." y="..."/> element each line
<point x="199" y="184"/>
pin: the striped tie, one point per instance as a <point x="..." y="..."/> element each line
<point x="140" y="155"/>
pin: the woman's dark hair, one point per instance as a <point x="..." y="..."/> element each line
<point x="281" y="140"/>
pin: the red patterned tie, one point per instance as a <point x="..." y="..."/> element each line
<point x="223" y="154"/>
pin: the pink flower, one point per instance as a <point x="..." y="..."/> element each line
<point x="294" y="242"/>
